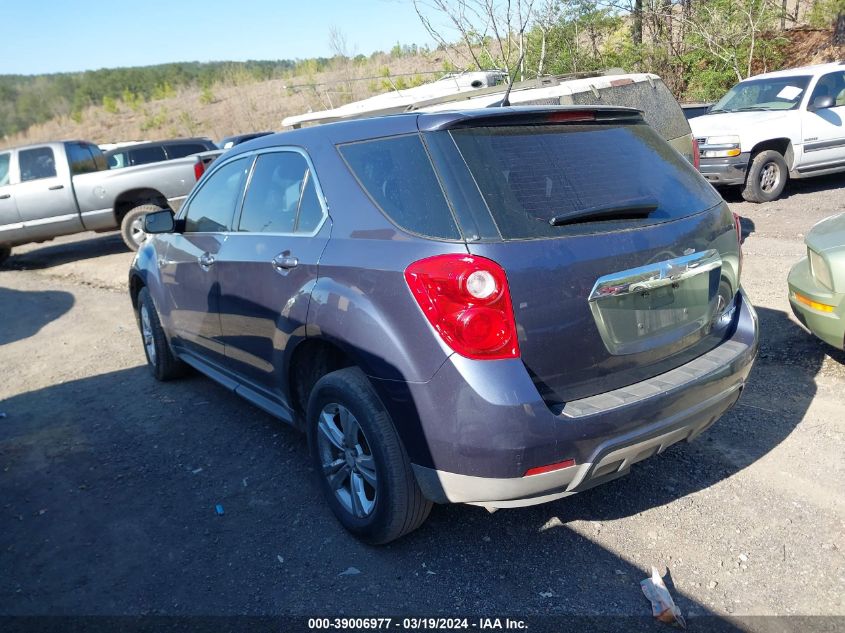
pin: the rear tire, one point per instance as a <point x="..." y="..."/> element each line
<point x="766" y="177"/>
<point x="362" y="466"/>
<point x="5" y="252"/>
<point x="132" y="225"/>
<point x="160" y="359"/>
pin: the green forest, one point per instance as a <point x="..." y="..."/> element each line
<point x="26" y="100"/>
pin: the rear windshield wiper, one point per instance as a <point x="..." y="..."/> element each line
<point x="633" y="209"/>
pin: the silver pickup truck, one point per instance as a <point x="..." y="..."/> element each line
<point x="53" y="189"/>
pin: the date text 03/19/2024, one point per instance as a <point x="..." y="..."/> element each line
<point x="416" y="624"/>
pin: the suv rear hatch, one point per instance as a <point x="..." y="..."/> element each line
<point x="621" y="260"/>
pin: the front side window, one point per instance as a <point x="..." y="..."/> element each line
<point x="37" y="163"/>
<point x="831" y="85"/>
<point x="281" y="197"/>
<point x="397" y="174"/>
<point x="779" y="93"/>
<point x="118" y="161"/>
<point x="211" y="209"/>
<point x="4" y="169"/>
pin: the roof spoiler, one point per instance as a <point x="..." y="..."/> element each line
<point x="526" y="115"/>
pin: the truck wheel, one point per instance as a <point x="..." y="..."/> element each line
<point x="363" y="469"/>
<point x="5" y="251"/>
<point x="132" y="225"/>
<point x="766" y="177"/>
<point x="160" y="359"/>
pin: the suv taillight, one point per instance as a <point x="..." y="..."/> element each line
<point x="199" y="168"/>
<point x="466" y="299"/>
<point x="696" y="154"/>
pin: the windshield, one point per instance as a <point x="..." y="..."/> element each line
<point x="780" y="93"/>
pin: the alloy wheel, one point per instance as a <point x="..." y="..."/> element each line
<point x="347" y="460"/>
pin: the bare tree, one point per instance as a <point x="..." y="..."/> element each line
<point x="548" y="15"/>
<point x="839" y="30"/>
<point x="487" y="31"/>
<point x="731" y="36"/>
<point x="338" y="43"/>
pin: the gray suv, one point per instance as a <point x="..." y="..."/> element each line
<point x="499" y="307"/>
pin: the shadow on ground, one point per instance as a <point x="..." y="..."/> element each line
<point x="49" y="305"/>
<point x="793" y="187"/>
<point x="56" y="254"/>
<point x="110" y="485"/>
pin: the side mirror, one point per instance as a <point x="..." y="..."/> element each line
<point x="159" y="222"/>
<point x="821" y="103"/>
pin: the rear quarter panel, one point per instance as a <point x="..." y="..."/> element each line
<point x="361" y="301"/>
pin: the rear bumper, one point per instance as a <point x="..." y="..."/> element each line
<point x="611" y="460"/>
<point x="725" y="171"/>
<point x="484" y="438"/>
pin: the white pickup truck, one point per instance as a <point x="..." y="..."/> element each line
<point x="53" y="189"/>
<point x="772" y="127"/>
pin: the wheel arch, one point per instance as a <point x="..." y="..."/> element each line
<point x="310" y="360"/>
<point x="781" y="145"/>
<point x="128" y="200"/>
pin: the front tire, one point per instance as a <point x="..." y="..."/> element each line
<point x="160" y="359"/>
<point x="132" y="225"/>
<point x="5" y="252"/>
<point x="766" y="177"/>
<point x="362" y="466"/>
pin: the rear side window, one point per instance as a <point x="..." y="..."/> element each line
<point x="281" y="197"/>
<point x="530" y="174"/>
<point x="212" y="208"/>
<point x="397" y="174"/>
<point x="4" y="169"/>
<point x="37" y="163"/>
<point x="80" y="158"/>
<point x="144" y="155"/>
<point x="181" y="150"/>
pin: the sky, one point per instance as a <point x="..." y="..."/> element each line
<point x="47" y="36"/>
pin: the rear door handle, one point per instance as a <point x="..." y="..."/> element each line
<point x="206" y="260"/>
<point x="5" y="196"/>
<point x="56" y="187"/>
<point x="285" y="262"/>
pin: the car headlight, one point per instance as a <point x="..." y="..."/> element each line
<point x="723" y="140"/>
<point x="820" y="269"/>
<point x="721" y="147"/>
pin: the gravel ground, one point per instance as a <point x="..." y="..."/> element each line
<point x="109" y="480"/>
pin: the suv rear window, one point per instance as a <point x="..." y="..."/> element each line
<point x="397" y="174"/>
<point x="530" y="174"/>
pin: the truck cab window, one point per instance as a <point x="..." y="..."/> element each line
<point x="80" y="158"/>
<point x="37" y="163"/>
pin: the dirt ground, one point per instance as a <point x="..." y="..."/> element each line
<point x="109" y="480"/>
